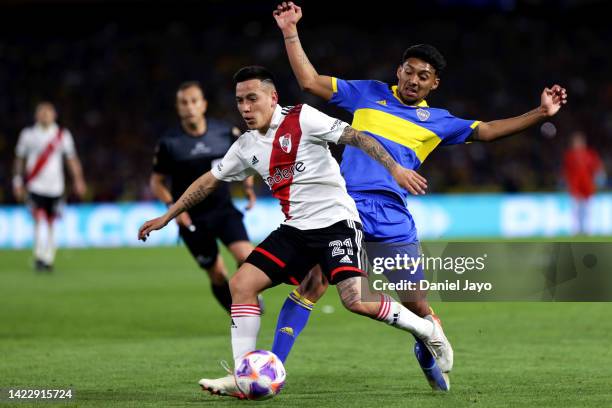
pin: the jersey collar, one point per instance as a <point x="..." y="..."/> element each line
<point x="277" y="116"/>
<point x="423" y="103"/>
<point x="51" y="128"/>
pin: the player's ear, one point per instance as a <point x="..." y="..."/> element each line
<point x="436" y="83"/>
<point x="274" y="97"/>
<point x="399" y="72"/>
<point x="204" y="106"/>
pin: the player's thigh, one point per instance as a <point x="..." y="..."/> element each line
<point x="248" y="281"/>
<point x="44" y="206"/>
<point x="399" y="263"/>
<point x="201" y="243"/>
<point x="284" y="256"/>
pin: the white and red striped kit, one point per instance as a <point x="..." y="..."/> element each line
<point x="35" y="142"/>
<point x="295" y="162"/>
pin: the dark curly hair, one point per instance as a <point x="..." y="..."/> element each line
<point x="427" y="53"/>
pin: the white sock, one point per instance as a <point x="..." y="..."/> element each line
<point x="246" y="319"/>
<point x="395" y="314"/>
<point x="49" y="254"/>
<point x="39" y="248"/>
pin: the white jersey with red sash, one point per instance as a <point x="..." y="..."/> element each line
<point x="295" y="162"/>
<point x="44" y="149"/>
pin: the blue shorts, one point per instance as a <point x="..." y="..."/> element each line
<point x="384" y="218"/>
<point x="389" y="232"/>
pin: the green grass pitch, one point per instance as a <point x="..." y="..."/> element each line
<point x="139" y="328"/>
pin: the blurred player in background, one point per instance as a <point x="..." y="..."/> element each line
<point x="583" y="172"/>
<point x="401" y="120"/>
<point x="185" y="153"/>
<point x="39" y="178"/>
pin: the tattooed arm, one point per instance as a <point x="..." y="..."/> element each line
<point x="408" y="179"/>
<point x="195" y="193"/>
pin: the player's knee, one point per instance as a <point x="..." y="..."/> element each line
<point x="317" y="291"/>
<point x="240" y="287"/>
<point x="313" y="289"/>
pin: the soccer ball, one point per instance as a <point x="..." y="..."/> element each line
<point x="260" y="375"/>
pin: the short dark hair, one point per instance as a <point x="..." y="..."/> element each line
<point x="253" y="72"/>
<point x="427" y="53"/>
<point x="190" y="84"/>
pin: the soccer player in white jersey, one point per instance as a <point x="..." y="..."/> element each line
<point x="39" y="177"/>
<point x="288" y="148"/>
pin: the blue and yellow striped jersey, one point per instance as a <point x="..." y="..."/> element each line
<point x="409" y="133"/>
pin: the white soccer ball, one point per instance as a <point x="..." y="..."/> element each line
<point x="260" y="375"/>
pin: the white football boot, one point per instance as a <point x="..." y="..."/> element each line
<point x="439" y="346"/>
<point x="225" y="386"/>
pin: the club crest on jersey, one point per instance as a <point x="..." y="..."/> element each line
<point x="422" y="114"/>
<point x="285" y="143"/>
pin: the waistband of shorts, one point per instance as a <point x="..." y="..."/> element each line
<point x="378" y="195"/>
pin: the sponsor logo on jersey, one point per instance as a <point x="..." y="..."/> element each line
<point x="422" y="114"/>
<point x="254" y="160"/>
<point x="285" y="143"/>
<point x="382" y="102"/>
<point x="199" y="148"/>
<point x="285" y="174"/>
<point x="336" y="125"/>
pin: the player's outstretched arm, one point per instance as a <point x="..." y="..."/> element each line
<point x="195" y="193"/>
<point x="408" y="179"/>
<point x="157" y="184"/>
<point x="287" y="15"/>
<point x="551" y="100"/>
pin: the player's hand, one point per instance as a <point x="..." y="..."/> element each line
<point x="80" y="188"/>
<point x="19" y="193"/>
<point x="410" y="180"/>
<point x="184" y="220"/>
<point x="251" y="197"/>
<point x="151" y="225"/>
<point x="552" y="99"/>
<point x="287" y="15"/>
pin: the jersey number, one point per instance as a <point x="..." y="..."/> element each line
<point x="338" y="250"/>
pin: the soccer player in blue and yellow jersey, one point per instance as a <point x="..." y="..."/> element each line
<point x="400" y="119"/>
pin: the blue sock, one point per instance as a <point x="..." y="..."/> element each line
<point x="291" y="321"/>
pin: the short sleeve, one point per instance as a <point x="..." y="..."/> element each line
<point x="456" y="131"/>
<point x="321" y="126"/>
<point x="161" y="159"/>
<point x="68" y="144"/>
<point x="21" y="150"/>
<point x="232" y="167"/>
<point x="346" y="94"/>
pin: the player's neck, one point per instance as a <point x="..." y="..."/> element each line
<point x="45" y="126"/>
<point x="195" y="128"/>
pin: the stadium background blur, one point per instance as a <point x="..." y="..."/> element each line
<point x="138" y="327"/>
<point x="112" y="69"/>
